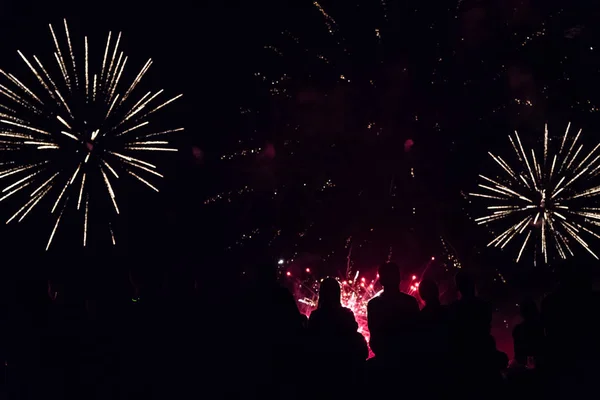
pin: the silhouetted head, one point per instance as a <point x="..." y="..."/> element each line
<point x="465" y="284"/>
<point x="389" y="276"/>
<point x="528" y="308"/>
<point x="329" y="294"/>
<point x="428" y="290"/>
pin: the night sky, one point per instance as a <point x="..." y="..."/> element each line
<point x="303" y="133"/>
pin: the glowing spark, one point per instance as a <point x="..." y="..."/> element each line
<point x="6" y="189"/>
<point x="44" y="184"/>
<point x="81" y="192"/>
<point x="46" y="75"/>
<point x="35" y="200"/>
<point x="142" y="167"/>
<point x="14" y="191"/>
<point x="87" y="80"/>
<point x="85" y="223"/>
<point x="71" y="52"/>
<point x="133" y="128"/>
<point x="70" y="135"/>
<point x="94" y="91"/>
<point x="111" y="106"/>
<point x="60" y="197"/>
<point x="58" y="117"/>
<point x="110" y="190"/>
<point x="60" y="59"/>
<point x="137" y="79"/>
<point x="151" y="148"/>
<point x="54" y="230"/>
<point x="25" y="88"/>
<point x="36" y="74"/>
<point x="132" y="159"/>
<point x="116" y="82"/>
<point x="75" y="174"/>
<point x="105" y="54"/>
<point x="112" y="235"/>
<point x="112" y="60"/>
<point x="136" y="109"/>
<point x="163" y="104"/>
<point x="24" y="126"/>
<point x="110" y="168"/>
<point x="142" y="180"/>
<point x="160" y="133"/>
<point x="12" y="171"/>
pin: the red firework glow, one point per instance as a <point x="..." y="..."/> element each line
<point x="356" y="293"/>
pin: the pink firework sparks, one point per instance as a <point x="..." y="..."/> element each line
<point x="356" y="293"/>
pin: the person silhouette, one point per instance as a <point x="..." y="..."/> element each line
<point x="434" y="341"/>
<point x="528" y="335"/>
<point x="433" y="311"/>
<point x="392" y="316"/>
<point x="393" y="321"/>
<point x="470" y="338"/>
<point x="267" y="335"/>
<point x="336" y="347"/>
<point x="570" y="316"/>
<point x="334" y="327"/>
<point x="471" y="316"/>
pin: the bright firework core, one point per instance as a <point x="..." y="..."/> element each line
<point x="79" y="122"/>
<point x="549" y="200"/>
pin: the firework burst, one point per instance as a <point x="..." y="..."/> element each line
<point x="74" y="130"/>
<point x="547" y="200"/>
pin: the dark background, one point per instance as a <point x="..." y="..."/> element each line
<point x="449" y="77"/>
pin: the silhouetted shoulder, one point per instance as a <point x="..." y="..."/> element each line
<point x="413" y="300"/>
<point x="374" y="302"/>
<point x="349" y="319"/>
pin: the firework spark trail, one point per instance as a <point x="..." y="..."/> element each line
<point x="54" y="230"/>
<point x="35" y="115"/>
<point x="85" y="222"/>
<point x="71" y="52"/>
<point x="87" y="80"/>
<point x="329" y="21"/>
<point x="142" y="180"/>
<point x="81" y="192"/>
<point x="540" y="200"/>
<point x="37" y="200"/>
<point x="112" y="234"/>
<point x="60" y="59"/>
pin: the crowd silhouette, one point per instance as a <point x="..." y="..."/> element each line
<point x="67" y="344"/>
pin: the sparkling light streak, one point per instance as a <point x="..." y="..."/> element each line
<point x="81" y="117"/>
<point x="546" y="202"/>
